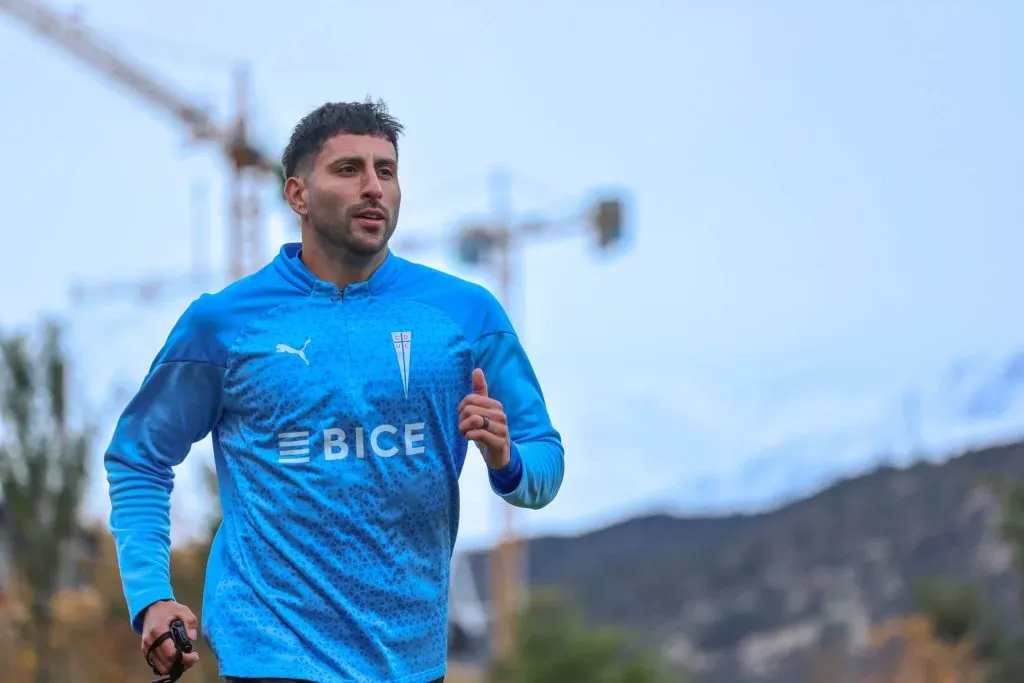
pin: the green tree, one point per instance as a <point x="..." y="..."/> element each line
<point x="956" y="611"/>
<point x="554" y="645"/>
<point x="1006" y="659"/>
<point x="1011" y="523"/>
<point x="42" y="475"/>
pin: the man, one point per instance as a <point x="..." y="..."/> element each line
<point x="341" y="385"/>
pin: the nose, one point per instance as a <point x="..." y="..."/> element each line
<point x="372" y="188"/>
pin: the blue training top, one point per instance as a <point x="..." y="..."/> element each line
<point x="334" y="420"/>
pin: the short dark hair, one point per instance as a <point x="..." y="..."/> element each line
<point x="334" y="118"/>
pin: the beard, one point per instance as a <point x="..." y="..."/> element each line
<point x="344" y="234"/>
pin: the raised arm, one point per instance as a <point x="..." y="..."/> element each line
<point x="533" y="475"/>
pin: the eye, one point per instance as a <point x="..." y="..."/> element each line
<point x="348" y="169"/>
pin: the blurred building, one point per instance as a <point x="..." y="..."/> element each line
<point x="468" y="615"/>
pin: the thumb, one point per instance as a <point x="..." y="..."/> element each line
<point x="479" y="383"/>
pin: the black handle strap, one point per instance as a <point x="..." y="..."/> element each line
<point x="182" y="644"/>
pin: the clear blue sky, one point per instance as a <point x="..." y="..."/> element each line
<point x="828" y="201"/>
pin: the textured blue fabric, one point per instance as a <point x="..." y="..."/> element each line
<point x="335" y="431"/>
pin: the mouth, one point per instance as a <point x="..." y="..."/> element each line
<point x="371" y="216"/>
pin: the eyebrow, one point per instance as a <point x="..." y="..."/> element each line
<point x="360" y="161"/>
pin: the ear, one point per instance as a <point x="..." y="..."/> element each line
<point x="297" y="195"/>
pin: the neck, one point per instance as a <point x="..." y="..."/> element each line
<point x="339" y="266"/>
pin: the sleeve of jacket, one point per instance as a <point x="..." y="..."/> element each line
<point x="534" y="473"/>
<point x="178" y="404"/>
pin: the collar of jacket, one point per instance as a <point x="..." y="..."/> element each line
<point x="290" y="266"/>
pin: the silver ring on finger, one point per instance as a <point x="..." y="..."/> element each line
<point x="487" y="422"/>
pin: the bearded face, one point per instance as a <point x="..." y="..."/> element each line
<point x="353" y="195"/>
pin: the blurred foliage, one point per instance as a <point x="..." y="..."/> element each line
<point x="956" y="613"/>
<point x="923" y="656"/>
<point x="554" y="645"/>
<point x="63" y="615"/>
<point x="1011" y="523"/>
<point x="42" y="477"/>
<point x="1005" y="656"/>
<point x="91" y="630"/>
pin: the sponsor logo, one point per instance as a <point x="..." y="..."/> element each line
<point x="382" y="441"/>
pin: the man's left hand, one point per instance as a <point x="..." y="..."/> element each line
<point x="482" y="420"/>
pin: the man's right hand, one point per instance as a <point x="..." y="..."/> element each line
<point x="158" y="620"/>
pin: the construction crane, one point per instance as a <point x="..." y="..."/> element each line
<point x="248" y="164"/>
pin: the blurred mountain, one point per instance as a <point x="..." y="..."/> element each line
<point x="749" y="598"/>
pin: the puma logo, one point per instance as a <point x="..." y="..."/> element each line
<point x="301" y="353"/>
